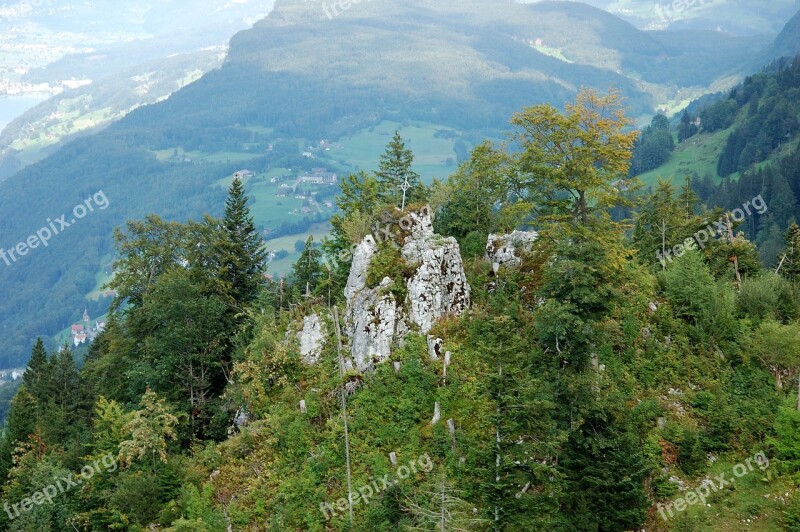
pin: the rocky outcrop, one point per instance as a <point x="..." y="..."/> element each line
<point x="372" y="323"/>
<point x="434" y="347"/>
<point x="436" y="287"/>
<point x="439" y="285"/>
<point x="362" y="255"/>
<point x="505" y="250"/>
<point x="312" y="338"/>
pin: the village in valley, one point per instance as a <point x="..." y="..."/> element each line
<point x="85" y="331"/>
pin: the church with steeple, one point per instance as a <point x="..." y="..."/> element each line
<point x="84" y="332"/>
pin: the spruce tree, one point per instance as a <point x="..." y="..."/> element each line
<point x="308" y="271"/>
<point x="687" y="199"/>
<point x="38" y="374"/>
<point x="395" y="168"/>
<point x="687" y="128"/>
<point x="20" y="424"/>
<point x="244" y="261"/>
<point x="790" y="265"/>
<point x="60" y="413"/>
<point x="605" y="472"/>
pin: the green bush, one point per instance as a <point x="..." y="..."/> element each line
<point x="473" y="245"/>
<point x="663" y="488"/>
<point x="786" y="442"/>
<point x="388" y="262"/>
<point x="691" y="456"/>
<point x="791" y="516"/>
<point x="765" y="297"/>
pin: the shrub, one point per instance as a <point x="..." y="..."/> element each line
<point x="389" y="262"/>
<point x="765" y="297"/>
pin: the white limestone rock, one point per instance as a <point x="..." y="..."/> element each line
<point x="419" y="224"/>
<point x="312" y="338"/>
<point x="362" y="255"/>
<point x="434" y="347"/>
<point x="370" y="323"/>
<point x="374" y="320"/>
<point x="439" y="285"/>
<point x="505" y="250"/>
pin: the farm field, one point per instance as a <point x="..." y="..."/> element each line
<point x="698" y="154"/>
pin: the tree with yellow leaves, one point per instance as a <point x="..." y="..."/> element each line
<point x="148" y="431"/>
<point x="574" y="163"/>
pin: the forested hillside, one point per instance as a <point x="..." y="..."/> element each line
<point x="280" y="91"/>
<point x="583" y="372"/>
<point x="745" y="144"/>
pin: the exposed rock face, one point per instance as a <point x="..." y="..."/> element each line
<point x="371" y="322"/>
<point x="374" y="320"/>
<point x="505" y="250"/>
<point x="434" y="347"/>
<point x="439" y="285"/>
<point x="240" y="419"/>
<point x="312" y="338"/>
<point x="359" y="265"/>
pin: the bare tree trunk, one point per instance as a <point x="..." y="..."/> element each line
<point x="735" y="258"/>
<point x="497" y="451"/>
<point x="344" y="412"/>
<point x="443" y="512"/>
<point x="798" y="393"/>
<point x="228" y="525"/>
<point x="778" y="269"/>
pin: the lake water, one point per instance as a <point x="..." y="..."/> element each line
<point x="13" y="106"/>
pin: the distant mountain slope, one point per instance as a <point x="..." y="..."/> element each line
<point x="47" y="42"/>
<point x="742" y="17"/>
<point x="43" y="129"/>
<point x="143" y="17"/>
<point x="787" y="44"/>
<point x="523" y="53"/>
<point x="300" y="76"/>
<point x="107" y="58"/>
<point x="749" y="145"/>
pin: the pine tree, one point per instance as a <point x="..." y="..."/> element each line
<point x="687" y="199"/>
<point x="308" y="272"/>
<point x="63" y="402"/>
<point x="395" y="168"/>
<point x="687" y="128"/>
<point x="605" y="472"/>
<point x="658" y="225"/>
<point x="20" y="424"/>
<point x="440" y="508"/>
<point x="244" y="265"/>
<point x="38" y="374"/>
<point x="473" y="193"/>
<point x="790" y="263"/>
